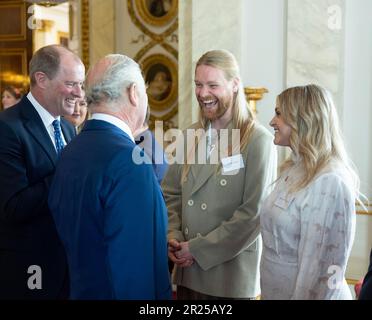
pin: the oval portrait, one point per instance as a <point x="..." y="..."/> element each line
<point x="161" y="77"/>
<point x="157" y="12"/>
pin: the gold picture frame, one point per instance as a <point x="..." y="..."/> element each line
<point x="157" y="12"/>
<point x="160" y="74"/>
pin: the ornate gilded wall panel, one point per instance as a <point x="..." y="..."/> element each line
<point x="12" y="22"/>
<point x="157" y="20"/>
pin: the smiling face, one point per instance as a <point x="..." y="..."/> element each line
<point x="80" y="113"/>
<point x="214" y="93"/>
<point x="65" y="88"/>
<point x="281" y="128"/>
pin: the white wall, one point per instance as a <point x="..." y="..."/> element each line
<point x="357" y="117"/>
<point x="357" y="113"/>
<point x="263" y="51"/>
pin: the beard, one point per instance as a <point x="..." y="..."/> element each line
<point x="216" y="111"/>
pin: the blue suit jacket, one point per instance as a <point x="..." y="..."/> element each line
<point x="27" y="232"/>
<point x="366" y="291"/>
<point x="111" y="217"/>
<point x="146" y="141"/>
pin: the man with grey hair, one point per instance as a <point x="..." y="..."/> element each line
<point x="32" y="259"/>
<point x="116" y="245"/>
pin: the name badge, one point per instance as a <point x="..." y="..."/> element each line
<point x="231" y="165"/>
<point x="283" y="200"/>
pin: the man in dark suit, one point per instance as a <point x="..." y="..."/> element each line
<point x="32" y="258"/>
<point x="366" y="291"/>
<point x="108" y="207"/>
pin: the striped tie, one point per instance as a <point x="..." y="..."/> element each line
<point x="58" y="136"/>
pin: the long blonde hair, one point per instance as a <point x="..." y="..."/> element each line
<point x="315" y="135"/>
<point x="242" y="116"/>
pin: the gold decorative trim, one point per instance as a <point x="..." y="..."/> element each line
<point x="9" y="77"/>
<point x="143" y="51"/>
<point x="22" y="14"/>
<point x="367" y="204"/>
<point x="170" y="49"/>
<point x="154" y="65"/>
<point x="156" y="38"/>
<point x="157" y="17"/>
<point x="365" y="213"/>
<point x="85" y="33"/>
<point x="46" y="25"/>
<point x="352" y="282"/>
<point x="254" y="94"/>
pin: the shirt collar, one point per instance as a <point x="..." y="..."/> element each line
<point x="115" y="121"/>
<point x="45" y="116"/>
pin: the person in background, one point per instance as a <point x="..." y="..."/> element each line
<point x="109" y="211"/>
<point x="214" y="226"/>
<point x="32" y="259"/>
<point x="308" y="221"/>
<point x="80" y="115"/>
<point x="146" y="140"/>
<point x="10" y="96"/>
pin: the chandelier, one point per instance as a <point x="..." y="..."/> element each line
<point x="46" y="3"/>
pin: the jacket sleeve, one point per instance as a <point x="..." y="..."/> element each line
<point x="135" y="233"/>
<point x="20" y="201"/>
<point x="242" y="229"/>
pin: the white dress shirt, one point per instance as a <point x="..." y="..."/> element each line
<point x="46" y="117"/>
<point x="115" y="121"/>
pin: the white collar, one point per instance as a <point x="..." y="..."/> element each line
<point x="115" y="121"/>
<point x="45" y="116"/>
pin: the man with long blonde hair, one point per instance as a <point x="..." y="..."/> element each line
<point x="213" y="205"/>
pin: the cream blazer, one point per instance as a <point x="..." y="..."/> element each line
<point x="218" y="215"/>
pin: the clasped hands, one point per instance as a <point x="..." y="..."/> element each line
<point x="179" y="253"/>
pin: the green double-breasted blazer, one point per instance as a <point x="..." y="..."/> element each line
<point x="218" y="215"/>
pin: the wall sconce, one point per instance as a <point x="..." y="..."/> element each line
<point x="253" y="94"/>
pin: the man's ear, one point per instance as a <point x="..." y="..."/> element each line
<point x="132" y="94"/>
<point x="41" y="79"/>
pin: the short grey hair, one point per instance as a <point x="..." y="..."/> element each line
<point x="121" y="73"/>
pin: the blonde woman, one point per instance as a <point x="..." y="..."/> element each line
<point x="214" y="227"/>
<point x="308" y="221"/>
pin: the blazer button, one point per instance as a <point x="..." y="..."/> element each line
<point x="223" y="182"/>
<point x="190" y="202"/>
<point x="203" y="206"/>
<point x="186" y="231"/>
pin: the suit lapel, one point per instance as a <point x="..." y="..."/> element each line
<point x="67" y="132"/>
<point x="35" y="126"/>
<point x="201" y="173"/>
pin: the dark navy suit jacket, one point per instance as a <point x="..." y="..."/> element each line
<point x="146" y="141"/>
<point x="111" y="217"/>
<point x="27" y="232"/>
<point x="366" y="291"/>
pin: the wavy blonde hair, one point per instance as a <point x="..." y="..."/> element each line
<point x="242" y="116"/>
<point x="315" y="135"/>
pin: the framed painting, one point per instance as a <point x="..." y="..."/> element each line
<point x="157" y="12"/>
<point x="160" y="74"/>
